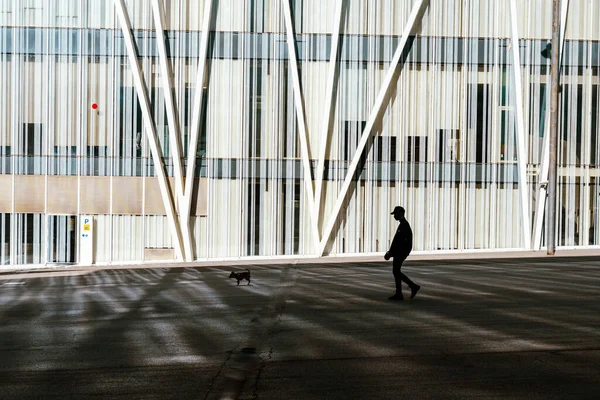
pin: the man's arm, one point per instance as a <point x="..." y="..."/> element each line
<point x="390" y="253"/>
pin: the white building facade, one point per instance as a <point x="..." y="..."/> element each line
<point x="144" y="130"/>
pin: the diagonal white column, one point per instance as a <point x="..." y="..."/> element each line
<point x="542" y="192"/>
<point x="382" y="98"/>
<point x="167" y="80"/>
<point x="303" y="134"/>
<point x="185" y="209"/>
<point x="522" y="153"/>
<point x="329" y="104"/>
<point x="174" y="127"/>
<point x="150" y="129"/>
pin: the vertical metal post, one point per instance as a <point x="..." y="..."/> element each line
<point x="552" y="168"/>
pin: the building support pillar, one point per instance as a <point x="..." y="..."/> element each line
<point x="376" y="112"/>
<point x="149" y="126"/>
<point x="330" y="98"/>
<point x="172" y="118"/>
<point x="522" y="136"/>
<point x="303" y="134"/>
<point x="194" y="133"/>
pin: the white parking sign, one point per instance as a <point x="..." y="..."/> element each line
<point x="86" y="240"/>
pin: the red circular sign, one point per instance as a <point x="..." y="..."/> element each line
<point x="95" y="106"/>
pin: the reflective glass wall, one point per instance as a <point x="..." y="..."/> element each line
<point x="446" y="143"/>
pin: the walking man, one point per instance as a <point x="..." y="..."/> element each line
<point x="399" y="250"/>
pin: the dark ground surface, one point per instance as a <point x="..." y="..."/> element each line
<point x="516" y="329"/>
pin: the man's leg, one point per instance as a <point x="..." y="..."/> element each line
<point x="406" y="280"/>
<point x="414" y="288"/>
<point x="398" y="279"/>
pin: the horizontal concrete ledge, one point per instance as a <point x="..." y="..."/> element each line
<point x="11" y="272"/>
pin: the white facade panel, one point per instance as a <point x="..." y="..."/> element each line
<point x="128" y="238"/>
<point x="448" y="142"/>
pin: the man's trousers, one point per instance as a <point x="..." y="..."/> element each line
<point x="399" y="276"/>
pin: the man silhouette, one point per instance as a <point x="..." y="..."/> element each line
<point x="399" y="250"/>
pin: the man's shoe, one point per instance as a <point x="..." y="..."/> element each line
<point x="396" y="297"/>
<point x="414" y="290"/>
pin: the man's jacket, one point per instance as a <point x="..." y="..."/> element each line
<point x="402" y="243"/>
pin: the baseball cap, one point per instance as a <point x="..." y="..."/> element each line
<point x="397" y="208"/>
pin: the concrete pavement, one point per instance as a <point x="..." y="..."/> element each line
<point x="492" y="328"/>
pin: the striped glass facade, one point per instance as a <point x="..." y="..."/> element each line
<point x="290" y="127"/>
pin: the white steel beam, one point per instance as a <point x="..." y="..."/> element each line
<point x="195" y="128"/>
<point x="376" y="111"/>
<point x="149" y="126"/>
<point x="329" y="106"/>
<point x="303" y="134"/>
<point x="522" y="152"/>
<point x="542" y="191"/>
<point x="167" y="81"/>
<point x="174" y="127"/>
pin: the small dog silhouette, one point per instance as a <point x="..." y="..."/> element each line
<point x="241" y="275"/>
